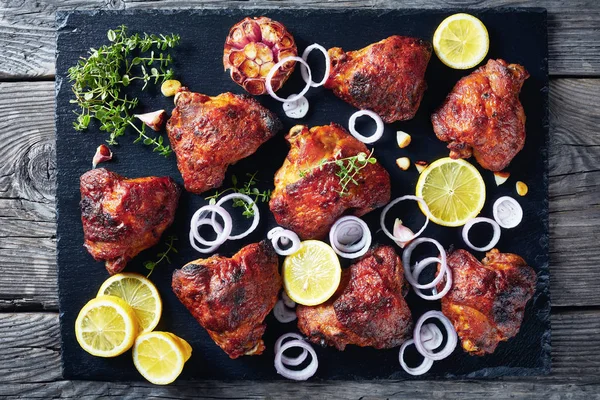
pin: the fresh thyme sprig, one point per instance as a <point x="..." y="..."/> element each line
<point x="248" y="189"/>
<point x="150" y="265"/>
<point x="99" y="79"/>
<point x="349" y="167"/>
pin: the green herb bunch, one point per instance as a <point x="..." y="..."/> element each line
<point x="99" y="79"/>
<point x="248" y="188"/>
<point x="150" y="265"/>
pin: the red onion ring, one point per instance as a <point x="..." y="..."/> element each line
<point x="350" y="250"/>
<point x="278" y="233"/>
<point x="471" y="222"/>
<point x="393" y="203"/>
<point x="421" y="369"/>
<point x="305" y="71"/>
<point x="291" y="361"/>
<point x="413" y="277"/>
<point x="272" y="72"/>
<point x="302" y="374"/>
<point x="507" y="212"/>
<point x="222" y="235"/>
<point x="248" y="200"/>
<point x="378" y="131"/>
<point x="282" y="313"/>
<point x="435" y="296"/>
<point x="450" y="343"/>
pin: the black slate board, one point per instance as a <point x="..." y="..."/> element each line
<point x="517" y="35"/>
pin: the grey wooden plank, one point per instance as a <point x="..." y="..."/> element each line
<point x="27" y="27"/>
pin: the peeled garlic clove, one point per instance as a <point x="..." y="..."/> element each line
<point x="103" y="154"/>
<point x="501" y="177"/>
<point x="402" y="232"/>
<point x="170" y="87"/>
<point x="403" y="139"/>
<point x="154" y="120"/>
<point x="403" y="163"/>
<point x="522" y="188"/>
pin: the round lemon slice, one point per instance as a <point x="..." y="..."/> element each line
<point x="106" y="326"/>
<point x="453" y="190"/>
<point x="461" y="41"/>
<point x="140" y="293"/>
<point x="160" y="356"/>
<point x="312" y="274"/>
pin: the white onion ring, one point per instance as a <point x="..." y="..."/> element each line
<point x="255" y="219"/>
<point x="413" y="277"/>
<point x="276" y="234"/>
<point x="435" y="296"/>
<point x="507" y="212"/>
<point x="302" y="374"/>
<point x="351" y="250"/>
<point x="282" y="313"/>
<point x="393" y="203"/>
<point x="205" y="250"/>
<point x="471" y="222"/>
<point x="291" y="361"/>
<point x="431" y="336"/>
<point x="450" y="343"/>
<point x="284" y="240"/>
<point x="378" y="131"/>
<point x="223" y="235"/>
<point x="296" y="109"/>
<point x="421" y="369"/>
<point x="304" y="71"/>
<point x="286" y="300"/>
<point x="272" y="72"/>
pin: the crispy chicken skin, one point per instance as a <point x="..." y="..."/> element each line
<point x="307" y="197"/>
<point x="487" y="299"/>
<point x="210" y="133"/>
<point x="368" y="308"/>
<point x="121" y="217"/>
<point x="483" y="116"/>
<point x="230" y="297"/>
<point x="387" y="77"/>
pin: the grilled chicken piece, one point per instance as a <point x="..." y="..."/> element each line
<point x="121" y="217"/>
<point x="308" y="196"/>
<point x="483" y="116"/>
<point x="387" y="77"/>
<point x="210" y="133"/>
<point x="230" y="297"/>
<point x="368" y="308"/>
<point x="487" y="300"/>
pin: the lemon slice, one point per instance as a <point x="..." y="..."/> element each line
<point x="160" y="356"/>
<point x="140" y="293"/>
<point x="106" y="326"/>
<point x="461" y="41"/>
<point x="453" y="190"/>
<point x="312" y="274"/>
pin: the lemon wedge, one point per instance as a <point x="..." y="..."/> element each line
<point x="312" y="274"/>
<point x="461" y="41"/>
<point x="106" y="326"/>
<point x="453" y="190"/>
<point x="140" y="293"/>
<point x="160" y="356"/>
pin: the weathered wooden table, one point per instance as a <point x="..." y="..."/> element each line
<point x="29" y="334"/>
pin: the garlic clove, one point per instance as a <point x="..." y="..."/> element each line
<point x="522" y="188"/>
<point x="403" y="139"/>
<point x="103" y="154"/>
<point x="500" y="177"/>
<point x="170" y="87"/>
<point x="421" y="165"/>
<point x="154" y="120"/>
<point x="401" y="231"/>
<point x="403" y="163"/>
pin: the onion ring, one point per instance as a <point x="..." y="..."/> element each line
<point x="286" y="300"/>
<point x="248" y="200"/>
<point x="393" y="203"/>
<point x="421" y="369"/>
<point x="223" y="235"/>
<point x="450" y="343"/>
<point x="291" y="361"/>
<point x="197" y="248"/>
<point x="282" y="313"/>
<point x="378" y="131"/>
<point x="296" y="109"/>
<point x="413" y="277"/>
<point x="278" y="233"/>
<point x="304" y="71"/>
<point x="435" y="296"/>
<point x="350" y="250"/>
<point x="471" y="222"/>
<point x="431" y="336"/>
<point x="507" y="212"/>
<point x="272" y="72"/>
<point x="302" y="374"/>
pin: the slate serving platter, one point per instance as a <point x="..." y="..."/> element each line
<point x="517" y="35"/>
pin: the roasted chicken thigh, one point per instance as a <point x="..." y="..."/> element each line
<point x="387" y="77"/>
<point x="121" y="217"/>
<point x="483" y="116"/>
<point x="210" y="133"/>
<point x="308" y="196"/>
<point x="230" y="297"/>
<point x="487" y="299"/>
<point x="368" y="308"/>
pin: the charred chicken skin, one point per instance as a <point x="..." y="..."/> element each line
<point x="387" y="77"/>
<point x="368" y="308"/>
<point x="308" y="196"/>
<point x="121" y="217"/>
<point x="230" y="297"/>
<point x="210" y="133"/>
<point x="487" y="299"/>
<point x="483" y="116"/>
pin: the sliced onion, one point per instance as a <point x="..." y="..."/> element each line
<point x="435" y="296"/>
<point x="222" y="235"/>
<point x="478" y="220"/>
<point x="378" y="131"/>
<point x="431" y="336"/>
<point x="350" y="237"/>
<point x="451" y="342"/>
<point x="402" y="231"/>
<point x="282" y="313"/>
<point x="393" y="203"/>
<point x="204" y="250"/>
<point x="248" y="200"/>
<point x="286" y="300"/>
<point x="507" y="212"/>
<point x="305" y="71"/>
<point x="296" y="109"/>
<point x="421" y="369"/>
<point x="279" y="234"/>
<point x="272" y="72"/>
<point x="413" y="277"/>
<point x="291" y="361"/>
<point x="302" y="374"/>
